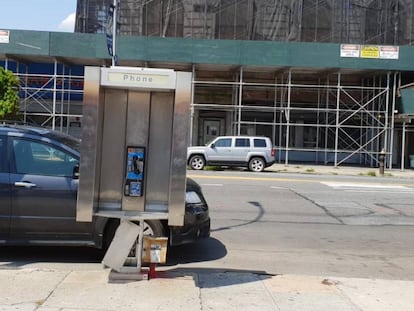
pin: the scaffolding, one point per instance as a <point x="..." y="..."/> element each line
<point x="325" y="117"/>
<point x="332" y="118"/>
<point x="50" y="95"/>
<point x="337" y="21"/>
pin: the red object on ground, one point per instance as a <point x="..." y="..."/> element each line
<point x="152" y="273"/>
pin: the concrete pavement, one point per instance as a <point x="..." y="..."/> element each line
<point x="26" y="289"/>
<point x="52" y="290"/>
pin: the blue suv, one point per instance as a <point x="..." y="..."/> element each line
<point x="38" y="190"/>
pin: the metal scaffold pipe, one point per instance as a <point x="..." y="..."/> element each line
<point x="114" y="27"/>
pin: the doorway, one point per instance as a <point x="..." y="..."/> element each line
<point x="211" y="129"/>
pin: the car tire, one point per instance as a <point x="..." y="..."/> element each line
<point x="256" y="164"/>
<point x="151" y="227"/>
<point x="197" y="162"/>
<point x="154" y="228"/>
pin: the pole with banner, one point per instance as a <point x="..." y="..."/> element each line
<point x="111" y="31"/>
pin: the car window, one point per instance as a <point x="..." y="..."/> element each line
<point x="260" y="143"/>
<point x="2" y="154"/>
<point x="42" y="159"/>
<point x="242" y="142"/>
<point x="223" y="142"/>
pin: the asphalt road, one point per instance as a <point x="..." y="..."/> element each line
<point x="279" y="223"/>
<point x="306" y="224"/>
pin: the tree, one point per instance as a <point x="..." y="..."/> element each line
<point x="9" y="96"/>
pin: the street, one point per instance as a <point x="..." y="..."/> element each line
<point x="306" y="224"/>
<point x="275" y="223"/>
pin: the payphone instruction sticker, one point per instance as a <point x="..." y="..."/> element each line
<point x="135" y="189"/>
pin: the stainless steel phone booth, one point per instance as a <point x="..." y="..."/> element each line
<point x="134" y="145"/>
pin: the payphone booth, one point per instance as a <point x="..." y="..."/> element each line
<point x="133" y="151"/>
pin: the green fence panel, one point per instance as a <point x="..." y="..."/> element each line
<point x="26" y="42"/>
<point x="197" y="51"/>
<point x="407" y="101"/>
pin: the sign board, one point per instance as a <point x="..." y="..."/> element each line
<point x="370" y="51"/>
<point x="389" y="52"/>
<point x="4" y="36"/>
<point x="124" y="77"/>
<point x="350" y="50"/>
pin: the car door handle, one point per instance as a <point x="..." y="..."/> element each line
<point x="25" y="184"/>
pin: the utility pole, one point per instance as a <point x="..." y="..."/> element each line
<point x="114" y="31"/>
<point x="111" y="30"/>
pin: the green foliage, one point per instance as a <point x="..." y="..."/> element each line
<point x="9" y="97"/>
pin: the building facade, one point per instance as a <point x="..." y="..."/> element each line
<point x="323" y="79"/>
<point x="299" y="109"/>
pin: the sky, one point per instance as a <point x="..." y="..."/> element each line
<point x="43" y="15"/>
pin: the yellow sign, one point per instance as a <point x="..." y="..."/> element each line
<point x="370" y="51"/>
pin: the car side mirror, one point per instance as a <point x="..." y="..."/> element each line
<point x="213" y="146"/>
<point x="76" y="171"/>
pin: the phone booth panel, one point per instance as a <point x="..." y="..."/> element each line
<point x="134" y="143"/>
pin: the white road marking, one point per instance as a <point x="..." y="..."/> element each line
<point x="359" y="187"/>
<point x="212" y="185"/>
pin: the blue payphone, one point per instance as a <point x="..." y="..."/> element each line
<point x="134" y="181"/>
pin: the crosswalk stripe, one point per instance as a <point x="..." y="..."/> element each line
<point x="360" y="187"/>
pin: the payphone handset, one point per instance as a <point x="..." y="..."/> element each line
<point x="134" y="180"/>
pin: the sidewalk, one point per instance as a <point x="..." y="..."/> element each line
<point x="52" y="290"/>
<point x="339" y="170"/>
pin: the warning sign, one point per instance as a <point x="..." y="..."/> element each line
<point x="370" y="51"/>
<point x="4" y="36"/>
<point x="389" y="52"/>
<point x="350" y="50"/>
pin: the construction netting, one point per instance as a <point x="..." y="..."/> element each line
<point x="340" y="21"/>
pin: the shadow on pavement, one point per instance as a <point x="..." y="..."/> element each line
<point x="19" y="256"/>
<point x="215" y="278"/>
<point x="203" y="250"/>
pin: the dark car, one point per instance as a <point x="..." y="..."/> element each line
<point x="38" y="191"/>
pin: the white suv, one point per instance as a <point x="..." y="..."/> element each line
<point x="253" y="152"/>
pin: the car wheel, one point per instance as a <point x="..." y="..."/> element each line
<point x="154" y="228"/>
<point x="197" y="162"/>
<point x="151" y="227"/>
<point x="256" y="165"/>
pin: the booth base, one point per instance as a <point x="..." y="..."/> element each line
<point x="118" y="277"/>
